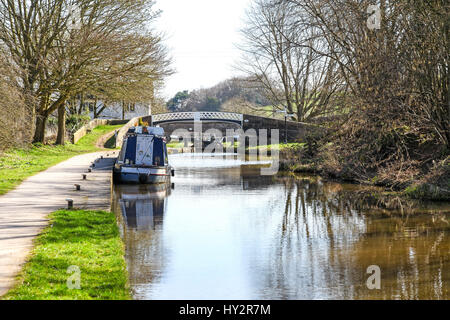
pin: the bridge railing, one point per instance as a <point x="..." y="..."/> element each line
<point x="197" y="116"/>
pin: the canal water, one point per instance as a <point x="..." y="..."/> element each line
<point x="226" y="232"/>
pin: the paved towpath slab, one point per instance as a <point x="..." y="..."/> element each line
<point x="24" y="211"/>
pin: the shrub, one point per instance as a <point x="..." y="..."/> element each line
<point x="75" y="121"/>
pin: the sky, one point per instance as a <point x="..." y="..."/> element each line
<point x="201" y="36"/>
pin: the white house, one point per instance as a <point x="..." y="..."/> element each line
<point x="116" y="111"/>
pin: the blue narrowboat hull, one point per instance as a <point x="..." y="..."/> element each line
<point x="142" y="175"/>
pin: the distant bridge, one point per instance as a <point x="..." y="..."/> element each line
<point x="224" y="120"/>
<point x="207" y="116"/>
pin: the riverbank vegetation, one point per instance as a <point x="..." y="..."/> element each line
<point x="434" y="185"/>
<point x="231" y="95"/>
<point x="18" y="164"/>
<point x="77" y="240"/>
<point x="175" y="145"/>
<point x="374" y="77"/>
<point x="295" y="146"/>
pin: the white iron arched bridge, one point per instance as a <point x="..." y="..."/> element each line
<point x="208" y="116"/>
<point x="288" y="130"/>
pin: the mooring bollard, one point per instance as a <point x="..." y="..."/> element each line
<point x="84" y="176"/>
<point x="77" y="187"/>
<point x="69" y="203"/>
<point x="89" y="170"/>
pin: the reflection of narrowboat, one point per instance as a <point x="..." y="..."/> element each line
<point x="143" y="158"/>
<point x="143" y="206"/>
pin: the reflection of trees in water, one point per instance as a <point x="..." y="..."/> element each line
<point x="368" y="199"/>
<point x="409" y="241"/>
<point x="324" y="246"/>
<point x="315" y="222"/>
<point x="413" y="253"/>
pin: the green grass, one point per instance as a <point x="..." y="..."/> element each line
<point x="175" y="145"/>
<point x="89" y="240"/>
<point x="18" y="164"/>
<point x="231" y="144"/>
<point x="89" y="140"/>
<point x="282" y="146"/>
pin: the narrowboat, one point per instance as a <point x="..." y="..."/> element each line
<point x="143" y="158"/>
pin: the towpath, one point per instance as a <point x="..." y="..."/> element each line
<point x="24" y="211"/>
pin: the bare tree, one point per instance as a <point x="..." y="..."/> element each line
<point x="397" y="75"/>
<point x="280" y="54"/>
<point x="382" y="66"/>
<point x="14" y="112"/>
<point x="112" y="45"/>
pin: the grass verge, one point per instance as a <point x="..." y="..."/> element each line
<point x="175" y="145"/>
<point x="89" y="240"/>
<point x="18" y="164"/>
<point x="281" y="147"/>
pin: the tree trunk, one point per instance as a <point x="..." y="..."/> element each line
<point x="60" y="139"/>
<point x="32" y="122"/>
<point x="80" y="111"/>
<point x="39" y="133"/>
<point x="95" y="108"/>
<point x="30" y="102"/>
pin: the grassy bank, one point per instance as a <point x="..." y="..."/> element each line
<point x="18" y="164"/>
<point x="175" y="145"/>
<point x="282" y="147"/>
<point x="89" y="240"/>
